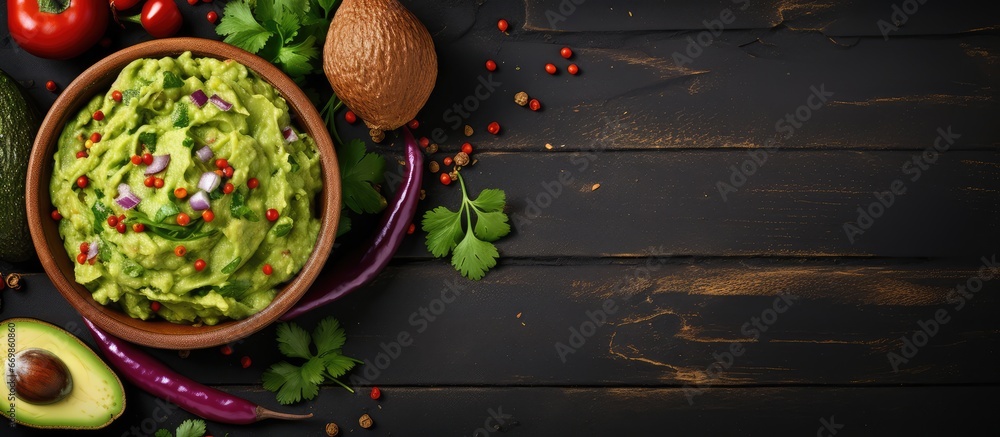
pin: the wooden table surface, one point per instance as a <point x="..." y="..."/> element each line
<point x="721" y="280"/>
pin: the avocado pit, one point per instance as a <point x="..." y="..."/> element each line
<point x="39" y="377"/>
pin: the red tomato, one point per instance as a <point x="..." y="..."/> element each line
<point x="122" y="5"/>
<point x="57" y="34"/>
<point x="161" y="18"/>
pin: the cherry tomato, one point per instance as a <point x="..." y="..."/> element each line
<point x="149" y="181"/>
<point x="493" y="128"/>
<point x="413" y="124"/>
<point x="155" y="306"/>
<point x="138" y="227"/>
<point x="98" y="115"/>
<point x="160" y="18"/>
<point x="180" y="250"/>
<point x="445" y="178"/>
<point x="51" y="86"/>
<point x="82" y="182"/>
<point x="253" y="183"/>
<point x="180" y="192"/>
<point x="121" y="227"/>
<point x="566" y="52"/>
<point x="84" y="247"/>
<point x="228" y="171"/>
<point x="122" y="5"/>
<point x="246" y="362"/>
<point x="199" y="265"/>
<point x="350" y="117"/>
<point x="535" y="105"/>
<point x="221" y="163"/>
<point x="81" y="154"/>
<point x="228" y="188"/>
<point x="147" y="158"/>
<point x="212" y="16"/>
<point x="56" y="215"/>
<point x="158" y="183"/>
<point x="95" y="137"/>
<point x="376" y="393"/>
<point x="448" y="161"/>
<point x="572" y="69"/>
<point x="61" y="33"/>
<point x="136" y="160"/>
<point x="467" y="148"/>
<point x="208" y="216"/>
<point x="491" y="65"/>
<point x="183" y="219"/>
<point x="226" y="350"/>
<point x="267" y="269"/>
<point x="502" y="25"/>
<point x="81" y="258"/>
<point x="112" y="221"/>
<point x="551" y="69"/>
<point x="271" y="215"/>
<point x="116" y="95"/>
<point x="424" y="142"/>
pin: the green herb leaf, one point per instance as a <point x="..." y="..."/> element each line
<point x="282" y="227"/>
<point x="101" y="213"/>
<point x="170" y="80"/>
<point x="188" y="142"/>
<point x="234" y="289"/>
<point x="360" y="171"/>
<point x="167" y="210"/>
<point x="241" y="29"/>
<point x="294" y="163"/>
<point x="148" y="139"/>
<point x="286" y="380"/>
<point x="163" y="433"/>
<point x="328" y="336"/>
<point x="337" y="365"/>
<point x="295" y="59"/>
<point x="238" y="207"/>
<point x="128" y="95"/>
<point x="180" y="116"/>
<point x="191" y="428"/>
<point x="232" y="266"/>
<point x="474" y="254"/>
<point x="293" y="341"/>
<point x="132" y="269"/>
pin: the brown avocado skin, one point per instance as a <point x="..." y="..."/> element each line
<point x="19" y="122"/>
<point x="97" y="397"/>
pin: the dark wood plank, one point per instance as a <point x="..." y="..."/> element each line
<point x="541" y="411"/>
<point x="833" y="18"/>
<point x="670" y="322"/>
<point x="795" y="204"/>
<point x="633" y="93"/>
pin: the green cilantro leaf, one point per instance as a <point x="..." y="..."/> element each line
<point x="101" y="213"/>
<point x="148" y="139"/>
<point x="293" y="383"/>
<point x="474" y="254"/>
<point x="241" y="29"/>
<point x="163" y="433"/>
<point x="328" y="336"/>
<point x="295" y="59"/>
<point x="170" y="80"/>
<point x="167" y="210"/>
<point x="360" y="172"/>
<point x="293" y="341"/>
<point x="191" y="428"/>
<point x="180" y="116"/>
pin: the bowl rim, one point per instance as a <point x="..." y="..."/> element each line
<point x="159" y="333"/>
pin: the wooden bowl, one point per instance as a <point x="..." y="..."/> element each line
<point x="57" y="263"/>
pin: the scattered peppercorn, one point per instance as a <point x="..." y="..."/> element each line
<point x="491" y="65"/>
<point x="212" y="16"/>
<point x="350" y="117"/>
<point x="271" y="214"/>
<point x="423" y="194"/>
<point x="566" y="52"/>
<point x="377" y="135"/>
<point x="365" y="421"/>
<point x="433" y="148"/>
<point x="493" y="128"/>
<point x="551" y="69"/>
<point x="180" y="250"/>
<point x="82" y="182"/>
<point x="226" y="350"/>
<point x="51" y="86"/>
<point x="192" y="2"/>
<point x="376" y="393"/>
<point x="199" y="265"/>
<point x="185" y="352"/>
<point x="13" y="281"/>
<point x="424" y="142"/>
<point x="535" y="105"/>
<point x="332" y="430"/>
<point x="245" y="362"/>
<point x="433" y="166"/>
<point x="98" y="115"/>
<point x="445" y="179"/>
<point x="155" y="306"/>
<point x="180" y="192"/>
<point x="467" y="149"/>
<point x="413" y="124"/>
<point x="56" y="215"/>
<point x="572" y="69"/>
<point x="183" y="219"/>
<point x="267" y="269"/>
<point x="448" y="161"/>
<point x="462" y="158"/>
<point x="138" y="227"/>
<point x="410" y="230"/>
<point x="468" y="131"/>
<point x="116" y="95"/>
<point x="521" y="98"/>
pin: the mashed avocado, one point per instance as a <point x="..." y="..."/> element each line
<point x="170" y="259"/>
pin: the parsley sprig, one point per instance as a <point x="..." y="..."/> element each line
<point x="187" y="428"/>
<point x="474" y="253"/>
<point x="323" y="361"/>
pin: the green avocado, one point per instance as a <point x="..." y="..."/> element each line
<point x="18" y="125"/>
<point x="95" y="395"/>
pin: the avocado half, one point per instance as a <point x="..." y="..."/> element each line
<point x="97" y="397"/>
<point x="18" y="124"/>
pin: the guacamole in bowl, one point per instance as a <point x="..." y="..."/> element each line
<point x="185" y="191"/>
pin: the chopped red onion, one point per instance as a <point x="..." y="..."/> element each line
<point x="92" y="252"/>
<point x="125" y="197"/>
<point x="200" y="201"/>
<point x="218" y="101"/>
<point x="159" y="164"/>
<point x="209" y="181"/>
<point x="289" y="134"/>
<point x="199" y="98"/>
<point x="204" y="154"/>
